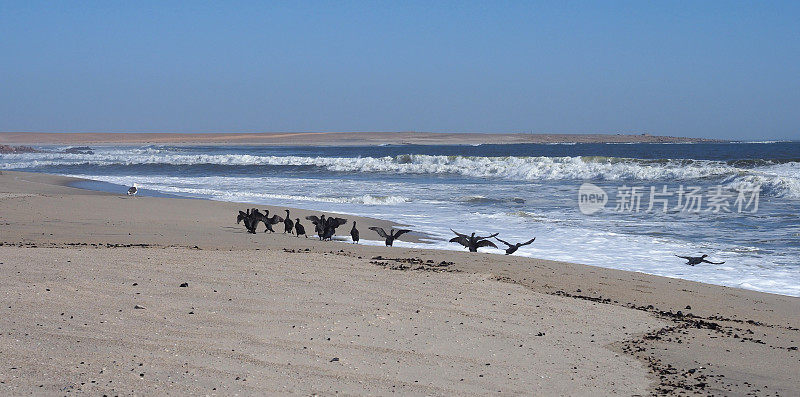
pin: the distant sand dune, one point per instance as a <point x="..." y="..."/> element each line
<point x="322" y="138"/>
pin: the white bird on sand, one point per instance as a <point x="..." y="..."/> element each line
<point x="132" y="190"/>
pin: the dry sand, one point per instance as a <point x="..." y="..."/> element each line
<point x="270" y="313"/>
<point x="321" y="138"/>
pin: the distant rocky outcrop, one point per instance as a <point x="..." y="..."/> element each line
<point x="79" y="150"/>
<point x="6" y="149"/>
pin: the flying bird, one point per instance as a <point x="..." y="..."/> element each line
<point x="391" y="236"/>
<point x="512" y="248"/>
<point x="695" y="260"/>
<point x="473" y="242"/>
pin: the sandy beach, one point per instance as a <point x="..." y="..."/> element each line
<point x="323" y="138"/>
<point x="92" y="302"/>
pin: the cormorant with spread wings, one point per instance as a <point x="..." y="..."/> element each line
<point x="473" y="242"/>
<point x="512" y="248"/>
<point x="695" y="260"/>
<point x="271" y="221"/>
<point x="249" y="222"/>
<point x="326" y="227"/>
<point x="391" y="236"/>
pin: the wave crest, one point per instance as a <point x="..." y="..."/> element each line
<point x="780" y="179"/>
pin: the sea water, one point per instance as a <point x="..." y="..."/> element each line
<point x="521" y="191"/>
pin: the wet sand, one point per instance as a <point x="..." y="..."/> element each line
<point x="272" y="313"/>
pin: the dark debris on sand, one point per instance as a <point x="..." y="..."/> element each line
<point x="701" y="379"/>
<point x="413" y="264"/>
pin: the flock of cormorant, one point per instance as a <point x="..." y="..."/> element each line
<point x="325" y="228"/>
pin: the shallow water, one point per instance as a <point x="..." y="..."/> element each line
<point x="520" y="191"/>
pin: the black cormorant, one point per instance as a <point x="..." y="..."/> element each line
<point x="354" y="233"/>
<point x="694" y="260"/>
<point x="512" y="248"/>
<point x="473" y="242"/>
<point x="288" y="225"/>
<point x="298" y="228"/>
<point x="274" y="220"/>
<point x="391" y="236"/>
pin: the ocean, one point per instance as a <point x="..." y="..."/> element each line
<point x="736" y="202"/>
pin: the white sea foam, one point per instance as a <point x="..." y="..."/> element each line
<point x="780" y="180"/>
<point x="560" y="235"/>
<point x="238" y="189"/>
<point x="777" y="180"/>
<point x="762" y="142"/>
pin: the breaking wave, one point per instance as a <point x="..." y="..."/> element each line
<point x="779" y="179"/>
<point x="237" y="189"/>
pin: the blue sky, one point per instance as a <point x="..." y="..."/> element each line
<point x="722" y="69"/>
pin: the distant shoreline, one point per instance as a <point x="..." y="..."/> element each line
<point x="328" y="138"/>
